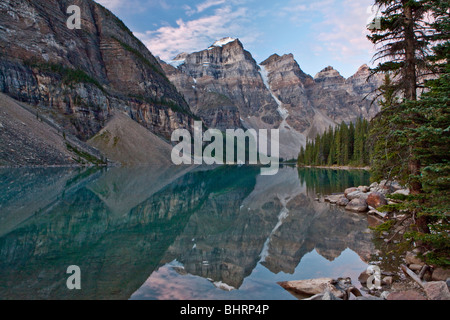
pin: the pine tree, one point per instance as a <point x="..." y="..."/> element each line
<point x="402" y="51"/>
<point x="411" y="135"/>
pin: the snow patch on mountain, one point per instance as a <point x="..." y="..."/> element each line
<point x="265" y="76"/>
<point x="290" y="139"/>
<point x="222" y="42"/>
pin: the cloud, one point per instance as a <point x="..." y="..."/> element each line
<point x="343" y="32"/>
<point x="208" y="4"/>
<point x="336" y="28"/>
<point x="189" y="36"/>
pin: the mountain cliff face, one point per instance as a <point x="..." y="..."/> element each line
<point x="80" y="78"/>
<point x="275" y="93"/>
<point x="327" y="99"/>
<point x="225" y="79"/>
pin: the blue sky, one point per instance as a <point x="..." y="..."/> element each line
<point x="319" y="33"/>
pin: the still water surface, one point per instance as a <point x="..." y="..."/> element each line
<point x="175" y="233"/>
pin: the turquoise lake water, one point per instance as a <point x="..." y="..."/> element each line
<point x="175" y="233"/>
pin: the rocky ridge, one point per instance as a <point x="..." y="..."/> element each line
<point x="79" y="78"/>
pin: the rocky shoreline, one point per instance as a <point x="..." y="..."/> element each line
<point x="409" y="278"/>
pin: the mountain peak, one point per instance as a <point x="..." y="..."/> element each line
<point x="276" y="57"/>
<point x="328" y="72"/>
<point x="364" y="69"/>
<point x="223" y="41"/>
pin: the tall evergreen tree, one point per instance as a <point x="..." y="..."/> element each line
<point x="411" y="133"/>
<point x="403" y="49"/>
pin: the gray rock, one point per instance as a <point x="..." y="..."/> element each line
<point x="311" y="287"/>
<point x="405" y="192"/>
<point x="333" y="199"/>
<point x="411" y="258"/>
<point x="437" y="290"/>
<point x="349" y="190"/>
<point x="415" y="267"/>
<point x="440" y="274"/>
<point x="357" y="205"/>
<point x="387" y="281"/>
<point x="354" y="195"/>
<point x="405" y="295"/>
<point x="376" y="212"/>
<point x="343" y="201"/>
<point x="396" y="186"/>
<point x="363" y="189"/>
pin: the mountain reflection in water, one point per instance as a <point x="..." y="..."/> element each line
<point x="174" y="233"/>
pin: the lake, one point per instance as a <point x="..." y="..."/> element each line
<point x="175" y="233"/>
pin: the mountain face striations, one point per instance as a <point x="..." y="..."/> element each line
<point x="81" y="78"/>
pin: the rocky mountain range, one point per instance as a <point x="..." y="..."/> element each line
<point x="227" y="88"/>
<point x="77" y="81"/>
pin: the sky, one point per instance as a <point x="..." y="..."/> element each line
<point x="319" y="33"/>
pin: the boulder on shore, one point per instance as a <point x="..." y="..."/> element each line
<point x="440" y="274"/>
<point x="357" y="205"/>
<point x="437" y="290"/>
<point x="355" y="195"/>
<point x="333" y="199"/>
<point x="406" y="295"/>
<point x="349" y="190"/>
<point x="376" y="199"/>
<point x="343" y="201"/>
<point x="311" y="287"/>
<point x="364" y="189"/>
